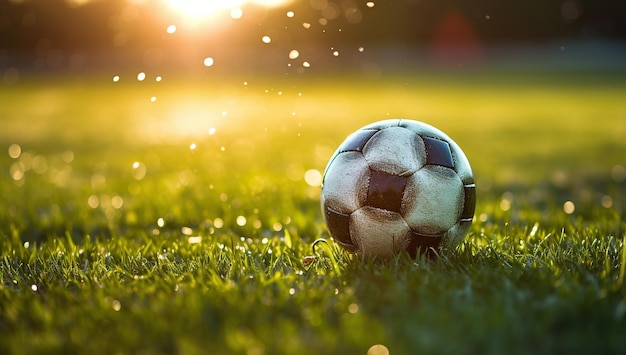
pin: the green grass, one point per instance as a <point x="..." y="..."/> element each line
<point x="118" y="236"/>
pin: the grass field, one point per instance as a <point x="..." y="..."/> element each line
<point x="175" y="218"/>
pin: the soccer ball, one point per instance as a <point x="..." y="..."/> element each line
<point x="398" y="185"/>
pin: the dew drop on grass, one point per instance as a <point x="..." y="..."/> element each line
<point x="67" y="156"/>
<point x="378" y="349"/>
<point x="34" y="287"/>
<point x="353" y="308"/>
<point x="292" y="291"/>
<point x="93" y="201"/>
<point x="277" y="226"/>
<point x="241" y="221"/>
<point x="618" y="173"/>
<point x="607" y="201"/>
<point x="194" y="240"/>
<point x="117" y="202"/>
<point x="161" y="222"/>
<point x="117" y="305"/>
<point x="218" y="223"/>
<point x="569" y="207"/>
<point x="15" y="151"/>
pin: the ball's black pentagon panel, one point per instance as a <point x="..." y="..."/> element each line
<point x="385" y="191"/>
<point x="339" y="226"/>
<point x="438" y="153"/>
<point x="470" y="202"/>
<point x="357" y="140"/>
<point x="423" y="243"/>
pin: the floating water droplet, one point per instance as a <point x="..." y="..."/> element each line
<point x="194" y="240"/>
<point x="153" y="99"/>
<point x="290" y="14"/>
<point x="306" y="64"/>
<point x="313" y="177"/>
<point x="158" y="79"/>
<point x="160" y="222"/>
<point x="211" y="131"/>
<point x="266" y="39"/>
<point x="293" y="54"/>
<point x="186" y="230"/>
<point x="141" y="76"/>
<point x="241" y="221"/>
<point x="208" y="62"/>
<point x="353" y="308"/>
<point x="306" y="25"/>
<point x="336" y="53"/>
<point x="361" y="49"/>
<point x="193" y="146"/>
<point x="34" y="287"/>
<point x="218" y="223"/>
<point x="292" y="291"/>
<point x="26" y="245"/>
<point x="370" y="4"/>
<point x="236" y="13"/>
<point x="116" y="78"/>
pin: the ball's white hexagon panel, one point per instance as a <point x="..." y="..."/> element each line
<point x="433" y="200"/>
<point x="346" y="182"/>
<point x="379" y="232"/>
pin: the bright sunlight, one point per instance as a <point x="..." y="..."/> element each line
<point x="204" y="8"/>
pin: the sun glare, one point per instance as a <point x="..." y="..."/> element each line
<point x="205" y="8"/>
